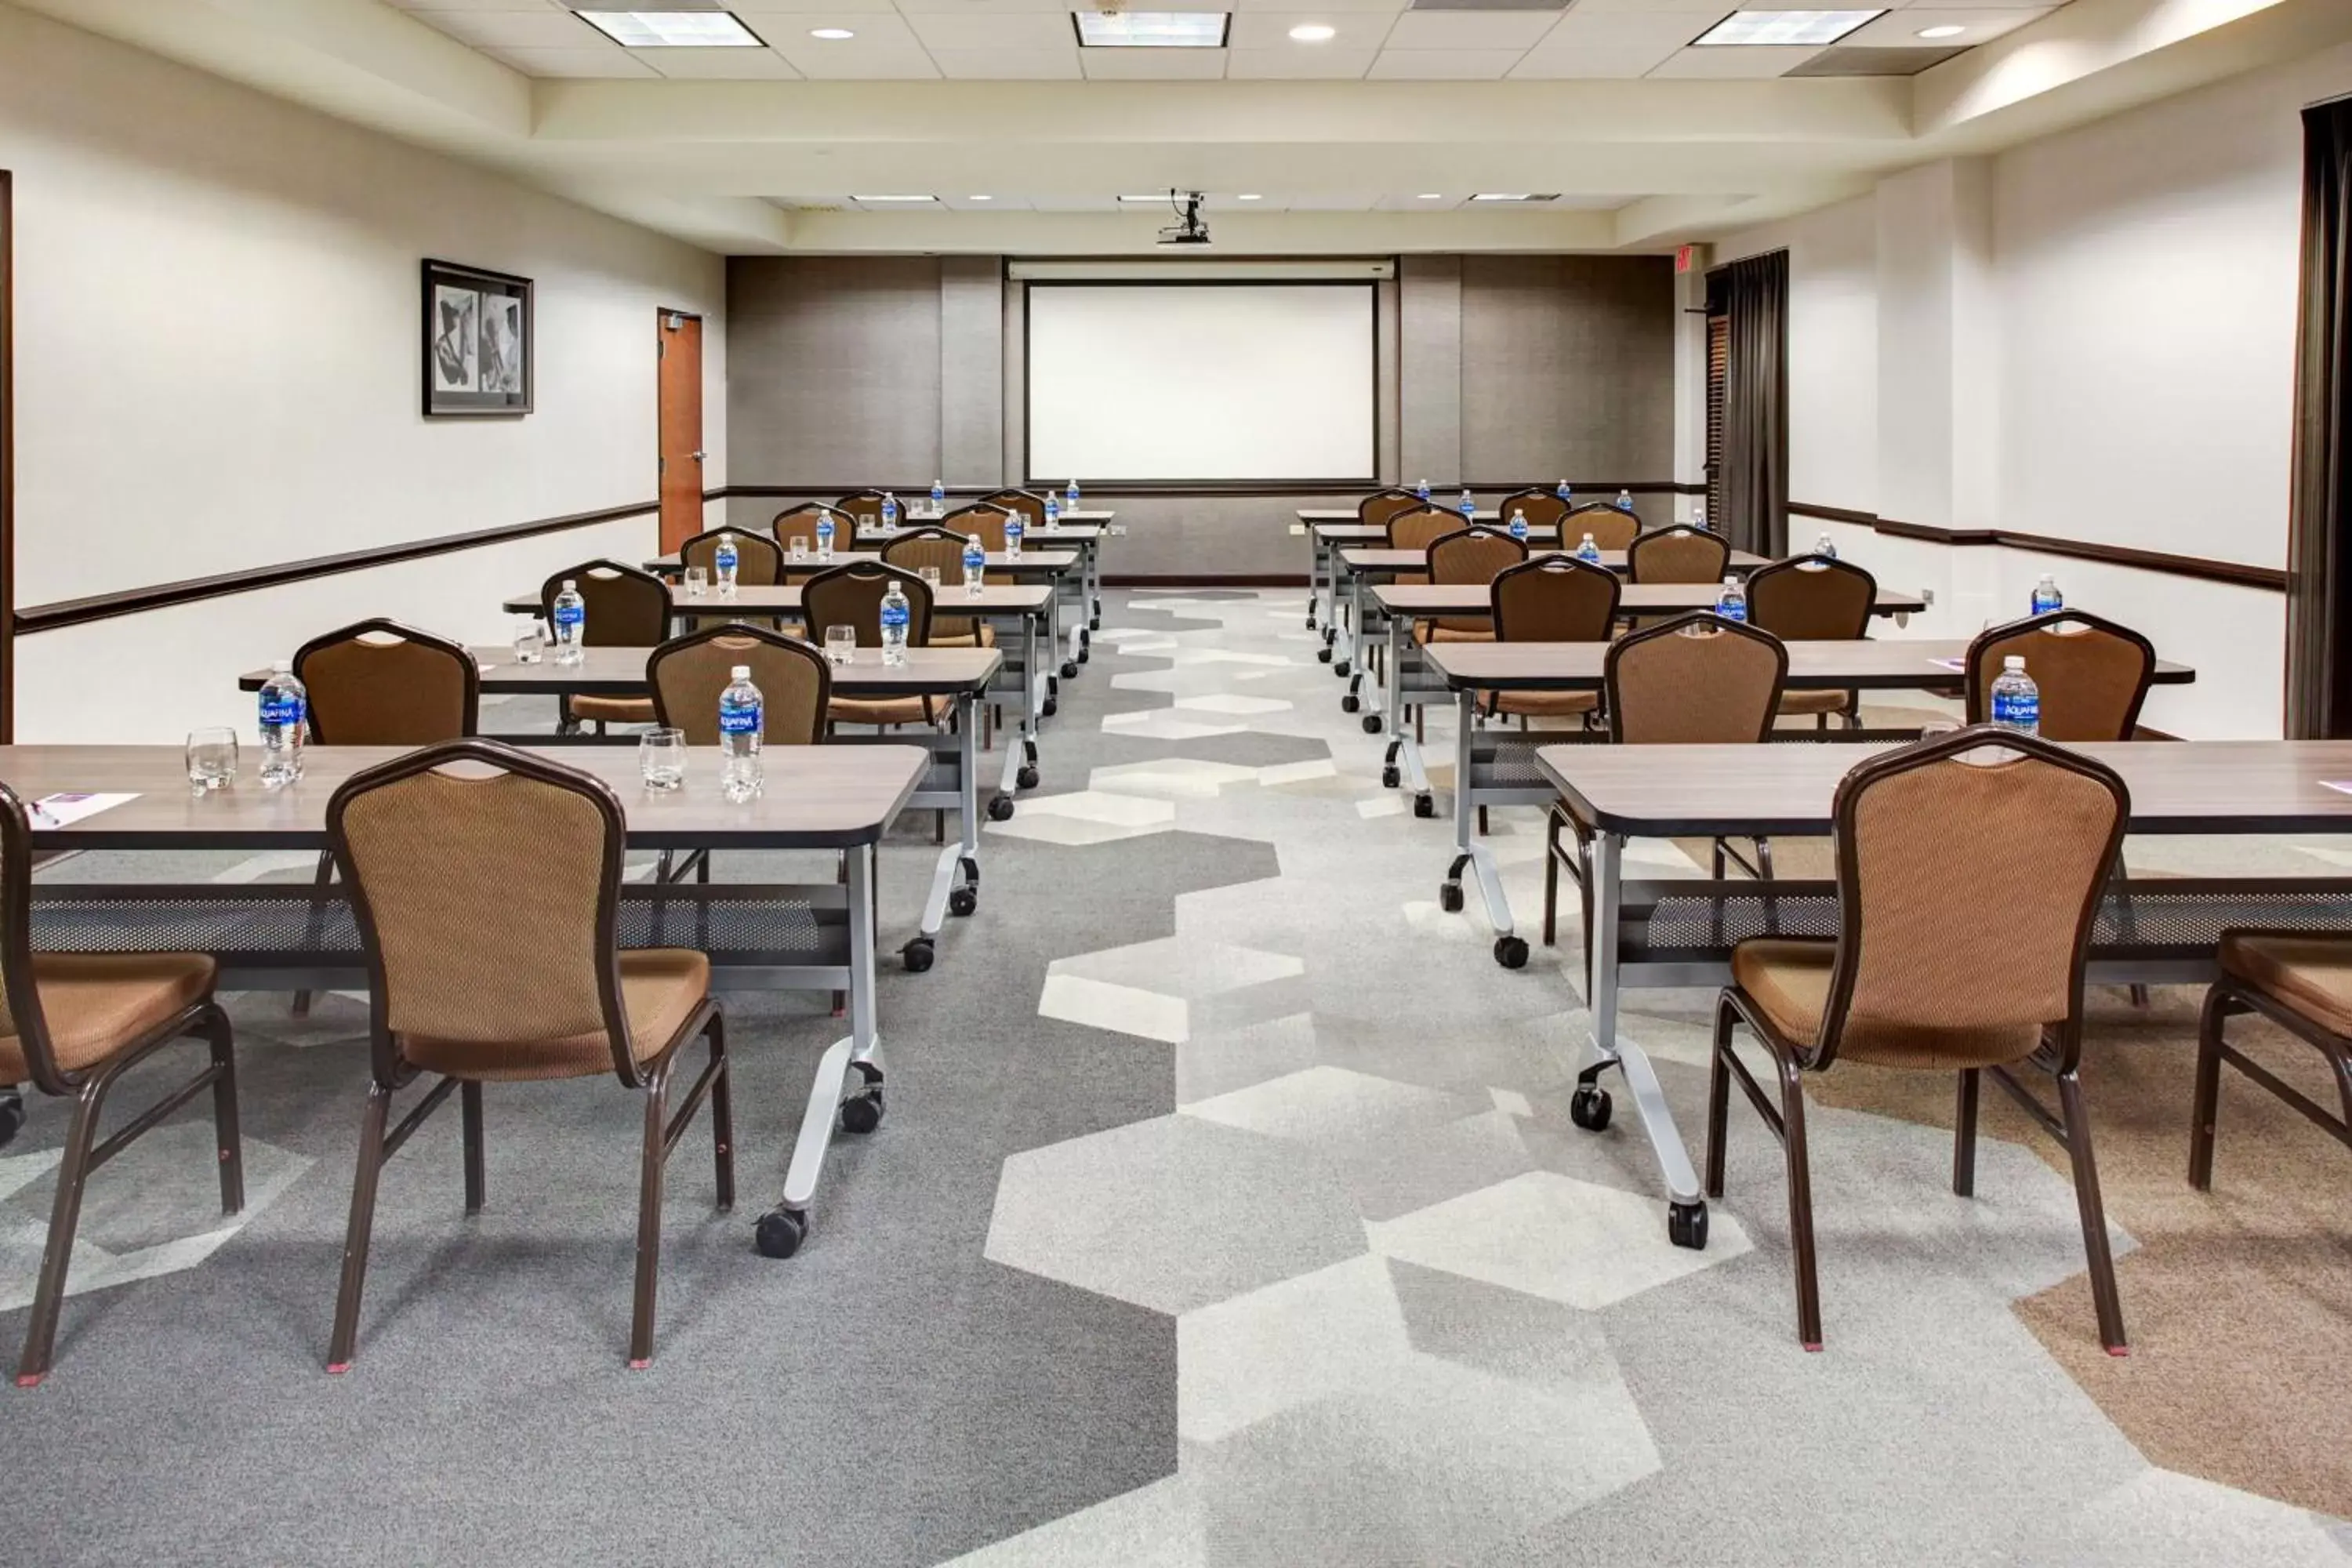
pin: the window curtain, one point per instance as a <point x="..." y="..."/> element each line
<point x="2319" y="527"/>
<point x="1754" y="294"/>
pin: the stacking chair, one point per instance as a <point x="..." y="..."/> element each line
<point x="2303" y="983"/>
<point x="985" y="520"/>
<point x="1418" y="528"/>
<point x="759" y="559"/>
<point x="687" y="673"/>
<point x="626" y="608"/>
<point x="1693" y="680"/>
<point x="1814" y="598"/>
<point x="1377" y="509"/>
<point x="72" y="1025"/>
<point x="1541" y="508"/>
<point x="1030" y="506"/>
<point x="852" y="596"/>
<point x="1677" y="554"/>
<point x="1613" y="528"/>
<point x="1967" y="891"/>
<point x="801" y="521"/>
<point x="1551" y="598"/>
<point x="2093" y="674"/>
<point x="1469" y="555"/>
<point x="864" y="510"/>
<point x="460" y="988"/>
<point x="943" y="552"/>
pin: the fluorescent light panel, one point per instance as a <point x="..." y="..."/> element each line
<point x="1152" y="29"/>
<point x="673" y="29"/>
<point x="1514" y="196"/>
<point x="1786" y="27"/>
<point x="910" y="200"/>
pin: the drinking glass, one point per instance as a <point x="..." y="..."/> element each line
<point x="840" y="645"/>
<point x="212" y="759"/>
<point x="800" y="546"/>
<point x="661" y="757"/>
<point x="931" y="576"/>
<point x="698" y="581"/>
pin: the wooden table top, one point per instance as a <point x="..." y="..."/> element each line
<point x="1064" y="533"/>
<point x="1891" y="664"/>
<point x="995" y="599"/>
<point x="621" y="672"/>
<point x="1383" y="559"/>
<point x="1044" y="563"/>
<point x="1321" y="517"/>
<point x="814" y="797"/>
<point x="1470" y="599"/>
<point x="2186" y="787"/>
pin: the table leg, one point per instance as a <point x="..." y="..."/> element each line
<point x="1349" y="661"/>
<point x="1314" y="573"/>
<point x="1510" y="948"/>
<point x="1093" y="581"/>
<point x="955" y="881"/>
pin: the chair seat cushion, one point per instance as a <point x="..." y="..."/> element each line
<point x="879" y="711"/>
<point x="958" y="634"/>
<point x="660" y="989"/>
<point x="97" y="1005"/>
<point x="614" y="710"/>
<point x="1787" y="979"/>
<point x="1448" y="631"/>
<point x="2310" y="974"/>
<point x="1810" y="703"/>
<point x="1545" y="704"/>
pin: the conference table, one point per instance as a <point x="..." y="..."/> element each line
<point x="1083" y="531"/>
<point x="1496" y="767"/>
<point x="292" y="936"/>
<point x="1332" y="528"/>
<point x="959" y="675"/>
<point x="1678" y="933"/>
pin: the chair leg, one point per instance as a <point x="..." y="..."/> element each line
<point x="326" y="874"/>
<point x="1718" y="1096"/>
<point x="1764" y="858"/>
<point x="228" y="1145"/>
<point x="470" y="1108"/>
<point x="2105" y="1297"/>
<point x="363" y="1227"/>
<point x="939" y="828"/>
<point x="1716" y="872"/>
<point x="2206" y="1109"/>
<point x="1964" y="1135"/>
<point x="65" y="1218"/>
<point x="649" y="1201"/>
<point x="1482" y="822"/>
<point x="1551" y="878"/>
<point x="1801" y="1204"/>
<point x="722" y="1114"/>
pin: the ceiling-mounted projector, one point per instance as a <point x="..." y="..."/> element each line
<point x="1188" y="229"/>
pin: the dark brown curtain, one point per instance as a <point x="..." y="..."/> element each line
<point x="2319" y="527"/>
<point x="1754" y="293"/>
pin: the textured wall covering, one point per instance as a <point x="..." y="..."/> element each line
<point x="839" y="381"/>
<point x="1567" y="366"/>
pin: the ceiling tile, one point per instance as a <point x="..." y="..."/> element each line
<point x="1900" y="30"/>
<point x="1736" y="61"/>
<point x="1596" y="62"/>
<point x="1058" y="9"/>
<point x="1581" y="29"/>
<point x="1152" y="64"/>
<point x="1016" y="30"/>
<point x="995" y="204"/>
<point x="1247" y="7"/>
<point x="1084" y="204"/>
<point x="482" y="5"/>
<point x="1414" y="204"/>
<point x="1718" y="9"/>
<point x="1470" y="30"/>
<point x="874" y="29"/>
<point x="611" y="60"/>
<point x="719" y="65"/>
<point x="544" y="28"/>
<point x="1295" y="64"/>
<point x="1271" y="29"/>
<point x="1010" y="65"/>
<point x="1443" y="65"/>
<point x="880" y="63"/>
<point x="760" y="16"/>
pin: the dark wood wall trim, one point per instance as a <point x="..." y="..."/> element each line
<point x="7" y="457"/>
<point x="2270" y="579"/>
<point x="1228" y="492"/>
<point x="63" y="612"/>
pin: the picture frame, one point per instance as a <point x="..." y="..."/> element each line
<point x="479" y="343"/>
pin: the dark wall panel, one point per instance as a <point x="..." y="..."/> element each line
<point x="1568" y="366"/>
<point x="833" y="371"/>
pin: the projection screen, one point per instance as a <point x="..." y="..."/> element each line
<point x="1203" y="383"/>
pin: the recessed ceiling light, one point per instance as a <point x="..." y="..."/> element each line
<point x="1950" y="30"/>
<point x="1786" y="27"/>
<point x="1431" y="196"/>
<point x="1314" y="33"/>
<point x="831" y="34"/>
<point x="980" y="198"/>
<point x="1516" y="197"/>
<point x="1154" y="197"/>
<point x="881" y="199"/>
<point x="673" y="29"/>
<point x="1249" y="197"/>
<point x="1151" y="30"/>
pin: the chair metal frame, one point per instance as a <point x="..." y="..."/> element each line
<point x="2230" y="996"/>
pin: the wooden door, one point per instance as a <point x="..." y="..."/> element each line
<point x="680" y="343"/>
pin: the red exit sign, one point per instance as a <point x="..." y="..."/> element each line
<point x="1685" y="258"/>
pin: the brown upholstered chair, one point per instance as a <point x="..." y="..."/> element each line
<point x="1967" y="893"/>
<point x="2093" y="677"/>
<point x="72" y="1024"/>
<point x="943" y="552"/>
<point x="1677" y="554"/>
<point x="1468" y="556"/>
<point x="1551" y="598"/>
<point x="759" y="559"/>
<point x="1381" y="507"/>
<point x="1030" y="505"/>
<point x="852" y="596"/>
<point x="460" y="988"/>
<point x="1541" y="508"/>
<point x="800" y="522"/>
<point x="1417" y="530"/>
<point x="863" y="509"/>
<point x="687" y="673"/>
<point x="984" y="519"/>
<point x="1611" y="527"/>
<point x="626" y="608"/>
<point x="2300" y="981"/>
<point x="1814" y="598"/>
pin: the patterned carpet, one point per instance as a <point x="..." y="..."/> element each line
<point x="1228" y="1213"/>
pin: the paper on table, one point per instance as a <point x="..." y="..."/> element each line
<point x="64" y="810"/>
<point x="1957" y="666"/>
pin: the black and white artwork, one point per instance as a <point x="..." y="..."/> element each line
<point x="477" y="343"/>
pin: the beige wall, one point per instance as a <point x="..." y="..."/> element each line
<point x="217" y="367"/>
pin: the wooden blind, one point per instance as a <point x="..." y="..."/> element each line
<point x="1718" y="362"/>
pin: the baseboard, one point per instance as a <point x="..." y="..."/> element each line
<point x="1209" y="580"/>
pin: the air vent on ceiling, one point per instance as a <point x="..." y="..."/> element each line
<point x="1864" y="61"/>
<point x="1487" y="5"/>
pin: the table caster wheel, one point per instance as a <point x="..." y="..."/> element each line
<point x="1084" y="653"/>
<point x="1085" y="640"/>
<point x="781" y="1232"/>
<point x="863" y="1114"/>
<point x="1340" y="668"/>
<point x="1069" y="670"/>
<point x="1026" y="778"/>
<point x="1323" y="655"/>
<point x="1000" y="809"/>
<point x="1686" y="1226"/>
<point x="1511" y="952"/>
<point x="1094" y="624"/>
<point x="1425" y="805"/>
<point x="963" y="900"/>
<point x="1350" y="703"/>
<point x="1371" y="723"/>
<point x="1391" y="778"/>
<point x="1052" y="707"/>
<point x="918" y="955"/>
<point x="1589" y="1107"/>
<point x="1449" y="897"/>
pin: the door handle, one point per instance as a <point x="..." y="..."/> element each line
<point x="698" y="457"/>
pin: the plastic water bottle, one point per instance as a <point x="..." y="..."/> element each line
<point x="1826" y="546"/>
<point x="938" y="498"/>
<point x="1520" y="526"/>
<point x="571" y="623"/>
<point x="726" y="561"/>
<point x="1074" y="495"/>
<point x="1052" y="509"/>
<point x="1422" y="490"/>
<point x="1014" y="529"/>
<point x="285" y="707"/>
<point x="825" y="536"/>
<point x="1567" y="493"/>
<point x="1732" y="603"/>
<point x="2016" y="700"/>
<point x="975" y="566"/>
<point x="1588" y="552"/>
<point x="895" y="614"/>
<point x="1467" y="506"/>
<point x="890" y="512"/>
<point x="2046" y="596"/>
<point x="1624" y="500"/>
<point x="1698" y="516"/>
<point x="740" y="733"/>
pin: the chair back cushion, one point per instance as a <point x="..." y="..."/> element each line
<point x="943" y="552"/>
<point x="1472" y="555"/>
<point x="687" y="674"/>
<point x="1697" y="679"/>
<point x="1032" y="508"/>
<point x="1554" y="598"/>
<point x="865" y="508"/>
<point x="627" y="607"/>
<point x="378" y="683"/>
<point x="2093" y="674"/>
<point x="1542" y="509"/>
<point x="852" y="596"/>
<point x="1613" y="528"/>
<point x="1811" y="598"/>
<point x="1679" y="555"/>
<point x="985" y="521"/>
<point x="1380" y="508"/>
<point x="759" y="559"/>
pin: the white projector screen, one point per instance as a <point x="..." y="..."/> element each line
<point x="1201" y="381"/>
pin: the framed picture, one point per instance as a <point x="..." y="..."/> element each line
<point x="477" y="342"/>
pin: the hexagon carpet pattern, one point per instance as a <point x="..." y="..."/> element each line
<point x="1228" y="1213"/>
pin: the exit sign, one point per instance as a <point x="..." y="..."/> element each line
<point x="1685" y="258"/>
